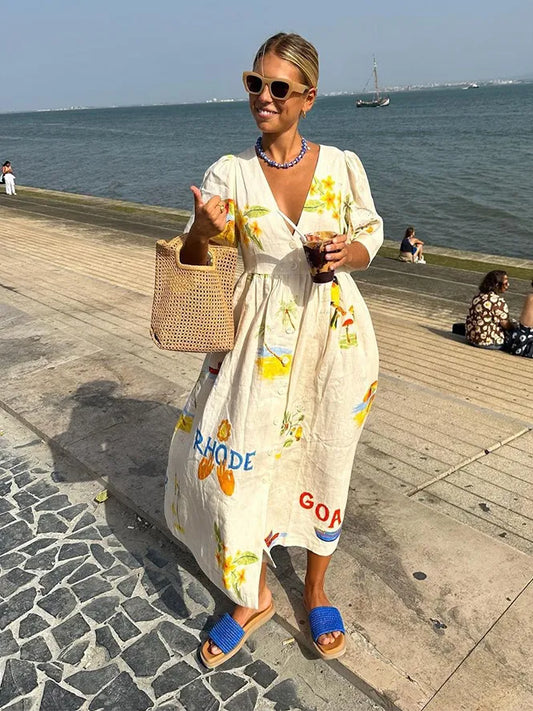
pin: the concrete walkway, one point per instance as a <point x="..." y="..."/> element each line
<point x="434" y="570"/>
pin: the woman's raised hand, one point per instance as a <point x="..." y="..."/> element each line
<point x="337" y="251"/>
<point x="209" y="217"/>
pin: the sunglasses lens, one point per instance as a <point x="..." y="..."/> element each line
<point x="254" y="84"/>
<point x="279" y="89"/>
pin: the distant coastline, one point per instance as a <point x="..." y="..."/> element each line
<point x="352" y="92"/>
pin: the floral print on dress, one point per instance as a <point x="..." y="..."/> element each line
<point x="248" y="226"/>
<point x="291" y="430"/>
<point x="233" y="566"/>
<point x="342" y="318"/>
<point x="360" y="411"/>
<point x="323" y="197"/>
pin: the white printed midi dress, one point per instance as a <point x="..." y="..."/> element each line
<point x="263" y="450"/>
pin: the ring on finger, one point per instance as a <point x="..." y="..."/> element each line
<point x="221" y="206"/>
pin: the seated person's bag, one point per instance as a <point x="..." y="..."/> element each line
<point x="193" y="305"/>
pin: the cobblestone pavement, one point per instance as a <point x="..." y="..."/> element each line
<point x="99" y="611"/>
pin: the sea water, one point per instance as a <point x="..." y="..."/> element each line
<point x="455" y="164"/>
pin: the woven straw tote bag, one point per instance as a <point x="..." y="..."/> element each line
<point x="193" y="305"/>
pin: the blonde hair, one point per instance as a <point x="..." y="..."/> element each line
<point x="294" y="49"/>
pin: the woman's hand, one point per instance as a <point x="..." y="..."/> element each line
<point x="209" y="217"/>
<point x="337" y="252"/>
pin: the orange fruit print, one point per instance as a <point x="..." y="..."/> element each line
<point x="226" y="479"/>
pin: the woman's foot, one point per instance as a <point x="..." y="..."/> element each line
<point x="316" y="597"/>
<point x="241" y="614"/>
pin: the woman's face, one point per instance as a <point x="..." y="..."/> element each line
<point x="504" y="284"/>
<point x="276" y="115"/>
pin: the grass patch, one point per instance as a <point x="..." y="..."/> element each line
<point x="469" y="265"/>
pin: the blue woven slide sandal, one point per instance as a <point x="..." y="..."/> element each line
<point x="323" y="620"/>
<point x="229" y="636"/>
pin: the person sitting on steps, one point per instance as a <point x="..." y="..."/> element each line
<point x="411" y="248"/>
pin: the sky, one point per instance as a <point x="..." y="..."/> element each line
<point x="62" y="53"/>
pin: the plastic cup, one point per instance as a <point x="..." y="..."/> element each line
<point x="315" y="252"/>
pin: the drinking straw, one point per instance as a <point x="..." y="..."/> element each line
<point x="291" y="223"/>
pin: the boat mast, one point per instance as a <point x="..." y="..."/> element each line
<point x="376" y="78"/>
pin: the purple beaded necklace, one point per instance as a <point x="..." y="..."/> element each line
<point x="272" y="163"/>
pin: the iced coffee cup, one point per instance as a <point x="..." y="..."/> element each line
<point x="315" y="251"/>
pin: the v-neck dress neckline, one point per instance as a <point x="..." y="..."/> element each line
<point x="273" y="198"/>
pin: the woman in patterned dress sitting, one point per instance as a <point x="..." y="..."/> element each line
<point x="488" y="316"/>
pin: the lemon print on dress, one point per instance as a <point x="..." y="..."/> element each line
<point x="361" y="410"/>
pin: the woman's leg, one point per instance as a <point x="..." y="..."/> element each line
<point x="314" y="594"/>
<point x="242" y="614"/>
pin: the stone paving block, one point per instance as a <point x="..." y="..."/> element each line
<point x="86" y="520"/>
<point x="174" y="678"/>
<point x="104" y="558"/>
<point x="14" y="536"/>
<point x="172" y="603"/>
<point x="53" y="670"/>
<point x="13" y="581"/>
<point x="32" y="624"/>
<point x="72" y="550"/>
<point x="84" y="571"/>
<point x="156" y="557"/>
<point x="123" y="627"/>
<point x="140" y="610"/>
<point x="58" y="603"/>
<point x="86" y="534"/>
<point x="42" y="489"/>
<point x="70" y="630"/>
<point x="91" y="587"/>
<point x="261" y="673"/>
<point x="197" y="697"/>
<point x="45" y="560"/>
<point x="246" y="701"/>
<point x="105" y="639"/>
<point x="117" y="571"/>
<point x="178" y="639"/>
<point x="121" y="694"/>
<point x="285" y="695"/>
<point x="226" y="684"/>
<point x="19" y="678"/>
<point x="50" y="523"/>
<point x="54" y="577"/>
<point x="24" y="499"/>
<point x="93" y="681"/>
<point x="17" y="606"/>
<point x="74" y="653"/>
<point x="6" y="518"/>
<point x="56" y="697"/>
<point x="8" y="644"/>
<point x="38" y="545"/>
<point x="127" y="587"/>
<point x="11" y="560"/>
<point x="54" y="503"/>
<point x="36" y="650"/>
<point x="70" y="513"/>
<point x="146" y="655"/>
<point x="102" y="608"/>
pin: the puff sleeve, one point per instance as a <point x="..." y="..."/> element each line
<point x="219" y="179"/>
<point x="361" y="221"/>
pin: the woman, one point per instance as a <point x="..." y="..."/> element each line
<point x="263" y="452"/>
<point x="9" y="178"/>
<point x="488" y="315"/>
<point x="519" y="340"/>
<point x="411" y="248"/>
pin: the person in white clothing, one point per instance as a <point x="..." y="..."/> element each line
<point x="9" y="178"/>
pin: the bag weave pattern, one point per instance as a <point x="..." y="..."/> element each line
<point x="192" y="308"/>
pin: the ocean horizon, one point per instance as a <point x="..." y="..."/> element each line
<point x="456" y="164"/>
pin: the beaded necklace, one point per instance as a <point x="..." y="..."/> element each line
<point x="272" y="163"/>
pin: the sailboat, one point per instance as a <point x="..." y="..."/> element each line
<point x="378" y="99"/>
